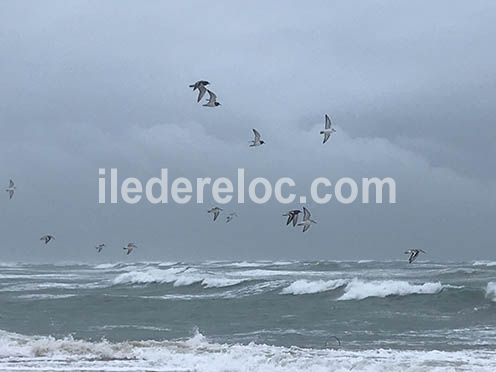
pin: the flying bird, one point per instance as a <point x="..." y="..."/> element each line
<point x="130" y="247"/>
<point x="11" y="189"/>
<point x="292" y="216"/>
<point x="201" y="86"/>
<point x="99" y="247"/>
<point x="47" y="238"/>
<point x="413" y="254"/>
<point x="328" y="130"/>
<point x="216" y="211"/>
<point x="307" y="221"/>
<point x="212" y="99"/>
<point x="231" y="216"/>
<point x="257" y="141"/>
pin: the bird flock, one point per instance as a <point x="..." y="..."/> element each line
<point x="292" y="215"/>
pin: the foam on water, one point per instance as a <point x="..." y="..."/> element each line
<point x="358" y="289"/>
<point x="197" y="353"/>
<point x="304" y="286"/>
<point x="491" y="291"/>
<point x="177" y="276"/>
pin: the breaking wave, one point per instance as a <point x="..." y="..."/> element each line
<point x="177" y="276"/>
<point x="358" y="289"/>
<point x="304" y="286"/>
<point x="49" y="353"/>
<point x="491" y="291"/>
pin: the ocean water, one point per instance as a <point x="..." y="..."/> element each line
<point x="248" y="316"/>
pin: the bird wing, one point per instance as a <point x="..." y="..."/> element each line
<point x="306" y="227"/>
<point x="212" y="97"/>
<point x="257" y="135"/>
<point x="326" y="136"/>
<point x="295" y="219"/>
<point x="11" y="183"/>
<point x="306" y="214"/>
<point x="11" y="193"/>
<point x="201" y="92"/>
<point x="290" y="218"/>
<point x="413" y="256"/>
<point x="216" y="214"/>
<point x="327" y="122"/>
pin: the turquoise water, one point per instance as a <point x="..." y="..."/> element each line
<point x="248" y="316"/>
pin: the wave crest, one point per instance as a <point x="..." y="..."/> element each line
<point x="358" y="289"/>
<point x="491" y="291"/>
<point x="304" y="286"/>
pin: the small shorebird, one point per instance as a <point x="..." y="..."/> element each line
<point x="212" y="99"/>
<point x="292" y="216"/>
<point x="99" y="247"/>
<point x="47" y="238"/>
<point x="307" y="221"/>
<point x="201" y="86"/>
<point x="328" y="130"/>
<point x="413" y="254"/>
<point x="11" y="189"/>
<point x="130" y="247"/>
<point x="231" y="216"/>
<point x="216" y="211"/>
<point x="257" y="141"/>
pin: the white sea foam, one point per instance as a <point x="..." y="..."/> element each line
<point x="491" y="291"/>
<point x="484" y="263"/>
<point x="106" y="266"/>
<point x="304" y="286"/>
<point x="359" y="289"/>
<point x="18" y="352"/>
<point x="177" y="276"/>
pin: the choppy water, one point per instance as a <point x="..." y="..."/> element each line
<point x="249" y="316"/>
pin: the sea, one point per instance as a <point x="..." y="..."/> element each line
<point x="248" y="316"/>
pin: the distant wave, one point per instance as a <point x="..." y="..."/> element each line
<point x="19" y="352"/>
<point x="484" y="263"/>
<point x="177" y="276"/>
<point x="358" y="289"/>
<point x="304" y="286"/>
<point x="491" y="291"/>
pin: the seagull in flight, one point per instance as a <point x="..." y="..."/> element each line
<point x="231" y="216"/>
<point x="216" y="211"/>
<point x="47" y="238"/>
<point x="257" y="141"/>
<point x="130" y="247"/>
<point x="328" y="130"/>
<point x="99" y="247"/>
<point x="292" y="216"/>
<point x="11" y="189"/>
<point x="307" y="221"/>
<point x="201" y="86"/>
<point x="212" y="99"/>
<point x="413" y="254"/>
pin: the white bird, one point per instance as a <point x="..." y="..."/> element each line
<point x="413" y="254"/>
<point x="11" y="189"/>
<point x="307" y="221"/>
<point x="99" y="247"/>
<point x="257" y="141"/>
<point x="292" y="216"/>
<point x="212" y="99"/>
<point x="216" y="211"/>
<point x="201" y="86"/>
<point x="130" y="247"/>
<point x="328" y="130"/>
<point x="47" y="238"/>
<point x="231" y="216"/>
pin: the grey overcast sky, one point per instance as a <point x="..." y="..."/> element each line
<point x="410" y="86"/>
